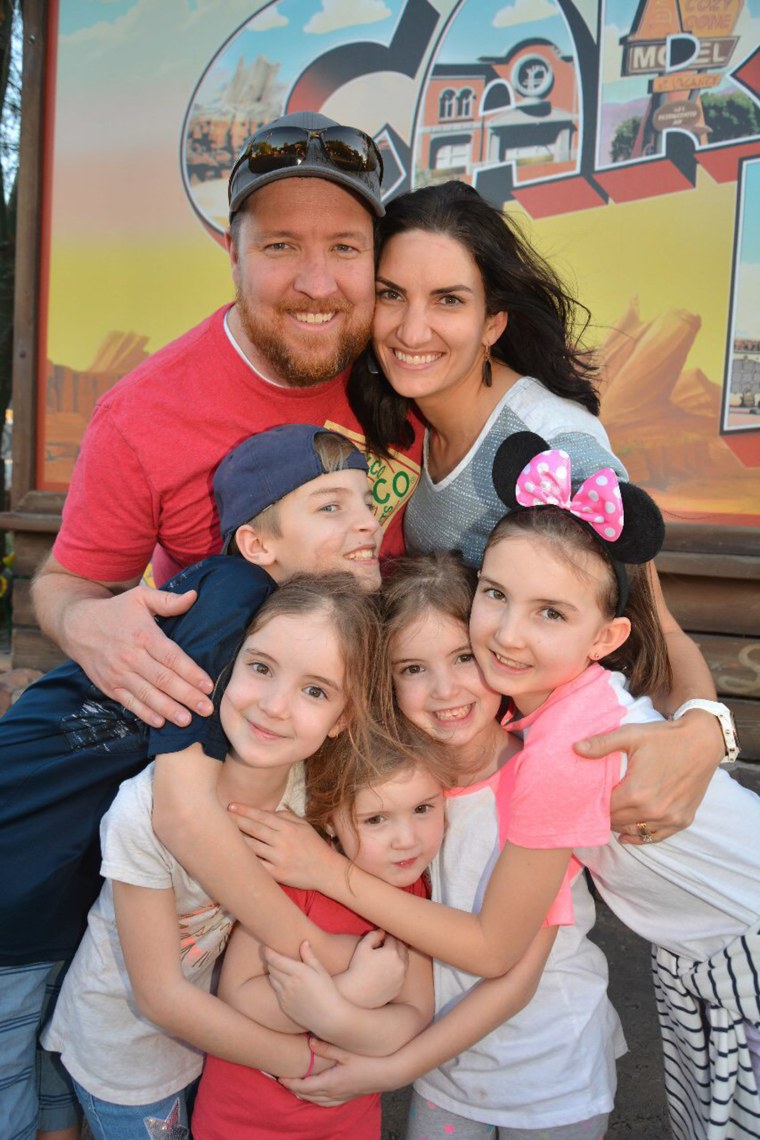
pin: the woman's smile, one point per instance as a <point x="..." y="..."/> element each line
<point x="431" y="328"/>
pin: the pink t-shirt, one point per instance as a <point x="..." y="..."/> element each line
<point x="143" y="478"/>
<point x="548" y="796"/>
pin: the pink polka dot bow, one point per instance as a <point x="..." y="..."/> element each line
<point x="545" y="481"/>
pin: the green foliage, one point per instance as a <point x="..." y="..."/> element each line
<point x="625" y="136"/>
<point x="730" y="116"/>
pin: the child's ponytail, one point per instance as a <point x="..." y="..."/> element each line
<point x="643" y="657"/>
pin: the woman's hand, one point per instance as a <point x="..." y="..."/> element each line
<point x="350" y="1076"/>
<point x="289" y="848"/>
<point x="670" y="764"/>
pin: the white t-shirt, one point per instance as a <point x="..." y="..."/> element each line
<point x="106" y="1044"/>
<point x="554" y="1062"/>
<point x="696" y="891"/>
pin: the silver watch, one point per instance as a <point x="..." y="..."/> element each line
<point x="725" y="720"/>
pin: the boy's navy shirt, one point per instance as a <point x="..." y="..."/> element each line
<point x="64" y="749"/>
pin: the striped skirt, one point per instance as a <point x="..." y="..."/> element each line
<point x="703" y="1007"/>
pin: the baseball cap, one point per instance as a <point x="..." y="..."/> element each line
<point x="265" y="468"/>
<point x="308" y="145"/>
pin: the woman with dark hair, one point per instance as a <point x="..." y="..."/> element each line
<point x="475" y="332"/>
<point x="474" y="328"/>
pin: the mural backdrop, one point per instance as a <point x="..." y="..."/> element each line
<point x="625" y="138"/>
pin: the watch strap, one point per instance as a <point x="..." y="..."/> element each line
<point x="725" y="719"/>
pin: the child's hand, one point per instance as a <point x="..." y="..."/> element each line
<point x="321" y="1065"/>
<point x="349" y="1076"/>
<point x="288" y="847"/>
<point x="304" y="989"/>
<point x="376" y="972"/>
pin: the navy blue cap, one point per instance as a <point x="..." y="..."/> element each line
<point x="265" y="468"/>
<point x="244" y="182"/>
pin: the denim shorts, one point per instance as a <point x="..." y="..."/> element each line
<point x="168" y="1117"/>
<point x="35" y="1089"/>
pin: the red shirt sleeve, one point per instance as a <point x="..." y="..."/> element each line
<point x="111" y="513"/>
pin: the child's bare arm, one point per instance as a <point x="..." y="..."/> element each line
<point x="149" y="936"/>
<point x="376" y="972"/>
<point x="486" y="1006"/>
<point x="308" y="993"/>
<point x="190" y="821"/>
<point x="379" y="978"/>
<point x="522" y="887"/>
<point x="244" y="983"/>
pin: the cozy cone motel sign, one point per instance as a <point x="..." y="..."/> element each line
<point x="677" y="43"/>
<point x="672" y="35"/>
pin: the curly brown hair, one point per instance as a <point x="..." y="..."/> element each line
<point x="340" y="773"/>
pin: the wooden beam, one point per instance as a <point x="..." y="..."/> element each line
<point x="713" y="605"/>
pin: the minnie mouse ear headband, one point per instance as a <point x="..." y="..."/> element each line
<point x="625" y="519"/>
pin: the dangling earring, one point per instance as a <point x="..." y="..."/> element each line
<point x="487" y="370"/>
<point x="372" y="366"/>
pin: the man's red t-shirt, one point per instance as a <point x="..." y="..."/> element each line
<point x="143" y="479"/>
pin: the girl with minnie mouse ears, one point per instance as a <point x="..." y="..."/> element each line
<point x="562" y="589"/>
<point x="584" y="548"/>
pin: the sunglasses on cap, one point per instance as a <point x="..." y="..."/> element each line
<point x="346" y="148"/>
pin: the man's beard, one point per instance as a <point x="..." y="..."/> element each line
<point x="294" y="364"/>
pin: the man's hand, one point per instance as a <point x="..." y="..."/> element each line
<point x="123" y="651"/>
<point x="670" y="764"/>
<point x="110" y="631"/>
<point x="376" y="972"/>
<point x="289" y="848"/>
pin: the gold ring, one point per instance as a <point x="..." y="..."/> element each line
<point x="645" y="834"/>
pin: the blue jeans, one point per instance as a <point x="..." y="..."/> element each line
<point x="34" y="1087"/>
<point x="167" y="1119"/>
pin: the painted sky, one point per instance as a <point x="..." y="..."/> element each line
<point x="493" y="27"/>
<point x="292" y="32"/>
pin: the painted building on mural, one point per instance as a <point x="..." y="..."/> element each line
<point x="520" y="107"/>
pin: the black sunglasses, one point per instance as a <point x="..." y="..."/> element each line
<point x="346" y="148"/>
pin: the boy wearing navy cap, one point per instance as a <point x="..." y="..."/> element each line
<point x="296" y="497"/>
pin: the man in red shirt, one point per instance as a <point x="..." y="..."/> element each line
<point x="303" y="196"/>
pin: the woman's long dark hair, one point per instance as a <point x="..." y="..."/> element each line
<point x="540" y="339"/>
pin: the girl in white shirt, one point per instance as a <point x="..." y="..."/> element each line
<point x="135" y="1014"/>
